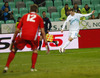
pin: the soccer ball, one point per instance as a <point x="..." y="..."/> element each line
<point x="61" y="50"/>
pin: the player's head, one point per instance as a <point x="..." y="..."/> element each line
<point x="86" y="6"/>
<point x="34" y="8"/>
<point x="66" y="6"/>
<point x="44" y="14"/>
<point x="72" y="12"/>
<point x="19" y="18"/>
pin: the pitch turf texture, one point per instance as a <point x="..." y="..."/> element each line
<point x="79" y="63"/>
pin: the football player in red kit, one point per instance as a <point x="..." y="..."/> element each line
<point x="28" y="28"/>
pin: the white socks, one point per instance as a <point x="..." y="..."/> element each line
<point x="66" y="44"/>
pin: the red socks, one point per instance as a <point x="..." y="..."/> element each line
<point x="34" y="59"/>
<point x="10" y="58"/>
<point x="12" y="55"/>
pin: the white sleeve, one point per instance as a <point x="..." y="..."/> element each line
<point x="65" y="23"/>
<point x="85" y="15"/>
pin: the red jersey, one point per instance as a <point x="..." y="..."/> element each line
<point x="29" y="25"/>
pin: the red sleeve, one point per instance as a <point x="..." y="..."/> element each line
<point x="41" y="23"/>
<point x="20" y="24"/>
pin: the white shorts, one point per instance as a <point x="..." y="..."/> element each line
<point x="73" y="34"/>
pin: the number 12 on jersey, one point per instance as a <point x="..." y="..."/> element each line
<point x="31" y="18"/>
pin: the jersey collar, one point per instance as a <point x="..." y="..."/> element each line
<point x="32" y="12"/>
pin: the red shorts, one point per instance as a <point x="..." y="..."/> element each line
<point x="20" y="43"/>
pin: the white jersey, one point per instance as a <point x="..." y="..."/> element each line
<point x="74" y="21"/>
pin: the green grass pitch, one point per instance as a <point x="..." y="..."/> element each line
<point x="78" y="63"/>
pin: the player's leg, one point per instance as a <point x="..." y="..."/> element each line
<point x="34" y="45"/>
<point x="72" y="35"/>
<point x="34" y="59"/>
<point x="10" y="59"/>
<point x="19" y="44"/>
<point x="68" y="42"/>
<point x="40" y="42"/>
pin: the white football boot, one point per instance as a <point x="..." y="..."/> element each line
<point x="33" y="70"/>
<point x="61" y="50"/>
<point x="5" y="70"/>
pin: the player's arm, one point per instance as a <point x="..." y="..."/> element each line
<point x="50" y="25"/>
<point x="85" y="15"/>
<point x="13" y="40"/>
<point x="15" y="34"/>
<point x="64" y="24"/>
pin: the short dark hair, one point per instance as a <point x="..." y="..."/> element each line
<point x="43" y="12"/>
<point x="86" y="4"/>
<point x="34" y="7"/>
<point x="66" y="4"/>
<point x="71" y="9"/>
<point x="18" y="17"/>
<point x="75" y="3"/>
<point x="6" y="2"/>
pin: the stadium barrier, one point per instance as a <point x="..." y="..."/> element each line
<point x="90" y="38"/>
<point x="58" y="36"/>
<point x="56" y="26"/>
<point x="84" y="24"/>
<point x="7" y="28"/>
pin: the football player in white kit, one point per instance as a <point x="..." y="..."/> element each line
<point x="74" y="19"/>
